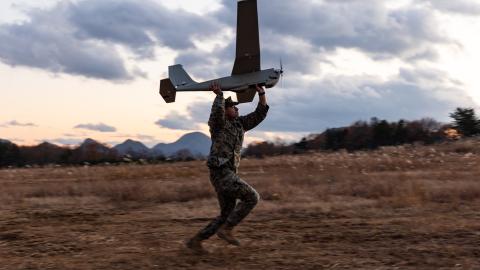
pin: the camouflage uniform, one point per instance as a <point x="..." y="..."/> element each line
<point x="223" y="161"/>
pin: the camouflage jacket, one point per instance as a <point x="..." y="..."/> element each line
<point x="227" y="135"/>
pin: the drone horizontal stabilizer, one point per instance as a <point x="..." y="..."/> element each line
<point x="247" y="95"/>
<point x="167" y="90"/>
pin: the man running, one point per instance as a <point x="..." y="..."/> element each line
<point x="227" y="129"/>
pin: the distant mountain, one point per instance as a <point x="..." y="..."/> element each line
<point x="133" y="148"/>
<point x="43" y="153"/>
<point x="92" y="151"/>
<point x="196" y="142"/>
<point x="90" y="145"/>
<point x="46" y="146"/>
<point x="5" y="141"/>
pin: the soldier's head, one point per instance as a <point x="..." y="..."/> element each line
<point x="231" y="110"/>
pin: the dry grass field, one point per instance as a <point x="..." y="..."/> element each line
<point x="396" y="208"/>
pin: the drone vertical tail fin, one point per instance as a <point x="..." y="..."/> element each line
<point x="179" y="76"/>
<point x="247" y="57"/>
<point x="167" y="90"/>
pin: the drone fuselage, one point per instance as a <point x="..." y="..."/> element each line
<point x="236" y="83"/>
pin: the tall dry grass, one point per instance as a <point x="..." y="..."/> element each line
<point x="142" y="183"/>
<point x="392" y="176"/>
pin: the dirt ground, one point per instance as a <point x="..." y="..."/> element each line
<point x="396" y="208"/>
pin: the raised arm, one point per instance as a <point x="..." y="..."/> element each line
<point x="216" y="121"/>
<point x="261" y="95"/>
<point x="254" y="118"/>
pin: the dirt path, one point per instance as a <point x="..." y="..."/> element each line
<point x="276" y="236"/>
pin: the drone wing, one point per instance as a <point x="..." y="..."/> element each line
<point x="248" y="43"/>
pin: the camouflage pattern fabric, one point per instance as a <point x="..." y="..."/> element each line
<point x="227" y="135"/>
<point x="229" y="188"/>
<point x="224" y="159"/>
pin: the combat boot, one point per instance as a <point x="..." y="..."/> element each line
<point x="195" y="244"/>
<point x="225" y="233"/>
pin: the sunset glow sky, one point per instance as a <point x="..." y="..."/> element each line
<point x="71" y="70"/>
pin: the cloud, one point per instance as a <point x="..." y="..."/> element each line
<point x="296" y="54"/>
<point x="372" y="28"/>
<point x="145" y="137"/>
<point x="308" y="35"/>
<point x="63" y="141"/>
<point x="47" y="41"/>
<point x="339" y="100"/>
<point x="15" y="123"/>
<point x="204" y="65"/>
<point x="140" y="26"/>
<point x="75" y="135"/>
<point x="85" y="37"/>
<point x="82" y="38"/>
<point x="135" y="136"/>
<point x="174" y="120"/>
<point x="97" y="127"/>
<point x="305" y="33"/>
<point x="464" y="7"/>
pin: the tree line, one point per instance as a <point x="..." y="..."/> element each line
<point x="363" y="135"/>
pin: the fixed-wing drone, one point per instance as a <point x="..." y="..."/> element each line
<point x="246" y="70"/>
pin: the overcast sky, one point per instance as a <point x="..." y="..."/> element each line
<point x="87" y="68"/>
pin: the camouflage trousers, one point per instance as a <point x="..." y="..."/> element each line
<point x="229" y="187"/>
